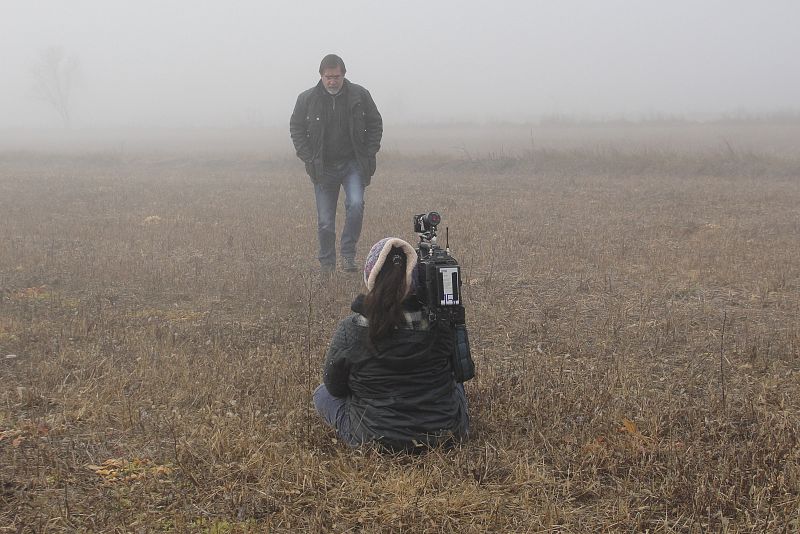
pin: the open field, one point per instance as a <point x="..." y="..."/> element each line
<point x="633" y="315"/>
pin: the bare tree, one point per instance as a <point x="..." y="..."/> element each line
<point x="54" y="76"/>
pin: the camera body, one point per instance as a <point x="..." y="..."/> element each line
<point x="438" y="278"/>
<point x="438" y="288"/>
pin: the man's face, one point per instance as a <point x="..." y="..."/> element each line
<point x="333" y="79"/>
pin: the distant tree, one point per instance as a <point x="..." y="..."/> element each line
<point x="54" y="76"/>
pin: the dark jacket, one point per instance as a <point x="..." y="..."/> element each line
<point x="307" y="128"/>
<point x="400" y="394"/>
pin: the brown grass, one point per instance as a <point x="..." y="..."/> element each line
<point x="634" y="318"/>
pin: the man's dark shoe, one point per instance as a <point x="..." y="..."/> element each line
<point x="349" y="265"/>
<point x="326" y="272"/>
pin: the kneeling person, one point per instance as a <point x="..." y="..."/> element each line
<point x="387" y="376"/>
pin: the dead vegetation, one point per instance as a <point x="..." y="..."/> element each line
<point x="633" y="317"/>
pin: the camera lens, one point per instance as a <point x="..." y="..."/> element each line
<point x="433" y="218"/>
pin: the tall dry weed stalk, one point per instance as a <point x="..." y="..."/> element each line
<point x="722" y="360"/>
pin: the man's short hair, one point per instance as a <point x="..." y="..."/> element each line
<point x="331" y="61"/>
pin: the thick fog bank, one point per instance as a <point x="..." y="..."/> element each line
<point x="779" y="137"/>
<point x="93" y="64"/>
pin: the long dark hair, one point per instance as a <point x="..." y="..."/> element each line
<point x="383" y="305"/>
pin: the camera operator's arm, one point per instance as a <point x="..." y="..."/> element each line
<point x="298" y="129"/>
<point x="337" y="364"/>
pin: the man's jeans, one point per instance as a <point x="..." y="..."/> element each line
<point x="326" y="191"/>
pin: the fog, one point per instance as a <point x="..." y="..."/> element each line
<point x="198" y="64"/>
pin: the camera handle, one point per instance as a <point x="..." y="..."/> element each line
<point x="463" y="365"/>
<point x="428" y="241"/>
<point x="461" y="358"/>
<point x="427" y="246"/>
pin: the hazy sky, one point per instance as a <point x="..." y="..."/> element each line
<point x="203" y="63"/>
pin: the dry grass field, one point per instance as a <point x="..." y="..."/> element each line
<point x="633" y="316"/>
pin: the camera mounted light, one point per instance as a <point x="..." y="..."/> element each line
<point x="426" y="223"/>
<point x="432" y="219"/>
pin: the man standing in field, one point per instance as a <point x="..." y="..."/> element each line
<point x="336" y="130"/>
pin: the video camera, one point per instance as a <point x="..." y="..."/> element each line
<point x="439" y="290"/>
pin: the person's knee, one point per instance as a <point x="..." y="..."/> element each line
<point x="326" y="227"/>
<point x="319" y="396"/>
<point x="326" y="222"/>
<point x="355" y="206"/>
<point x="326" y="209"/>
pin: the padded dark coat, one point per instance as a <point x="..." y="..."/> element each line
<point x="307" y="128"/>
<point x="400" y="394"/>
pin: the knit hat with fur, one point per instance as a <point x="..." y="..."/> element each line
<point x="378" y="255"/>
